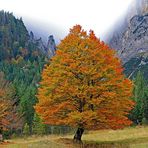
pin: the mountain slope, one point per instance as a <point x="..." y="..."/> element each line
<point x="132" y="32"/>
<point x="13" y="35"/>
<point x="133" y="41"/>
<point x="15" y="39"/>
<point x="22" y="58"/>
<point x="130" y="39"/>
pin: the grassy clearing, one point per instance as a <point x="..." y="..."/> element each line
<point x="125" y="135"/>
<point x="128" y="138"/>
<point x="135" y="137"/>
<point x="34" y="142"/>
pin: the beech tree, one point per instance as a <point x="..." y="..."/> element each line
<point x="84" y="86"/>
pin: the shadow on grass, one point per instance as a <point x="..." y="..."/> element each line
<point x="125" y="143"/>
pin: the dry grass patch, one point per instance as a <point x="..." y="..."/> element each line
<point x="35" y="142"/>
<point x="117" y="135"/>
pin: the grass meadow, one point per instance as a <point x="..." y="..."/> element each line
<point x="133" y="137"/>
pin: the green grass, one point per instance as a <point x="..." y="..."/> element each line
<point x="136" y="137"/>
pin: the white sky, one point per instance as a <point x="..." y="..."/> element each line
<point x="98" y="15"/>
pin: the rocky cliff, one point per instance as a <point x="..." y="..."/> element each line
<point x="133" y="41"/>
<point x="51" y="46"/>
<point x="48" y="49"/>
<point x="131" y="38"/>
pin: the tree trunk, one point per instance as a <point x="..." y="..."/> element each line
<point x="78" y="134"/>
<point x="1" y="138"/>
<point x="30" y="129"/>
<point x="1" y="135"/>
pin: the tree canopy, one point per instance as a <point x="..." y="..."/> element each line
<point x="84" y="86"/>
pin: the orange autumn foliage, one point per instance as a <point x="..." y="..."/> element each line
<point x="7" y="111"/>
<point x="84" y="85"/>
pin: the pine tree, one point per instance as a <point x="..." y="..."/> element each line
<point x="139" y="97"/>
<point x="28" y="100"/>
<point x="145" y="106"/>
<point x="39" y="127"/>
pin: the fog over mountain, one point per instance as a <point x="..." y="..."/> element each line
<point x="56" y="17"/>
<point x="43" y="30"/>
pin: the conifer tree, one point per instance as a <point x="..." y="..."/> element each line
<point x="137" y="113"/>
<point x="145" y="106"/>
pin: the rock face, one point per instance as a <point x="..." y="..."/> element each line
<point x="40" y="45"/>
<point x="48" y="49"/>
<point x="131" y="38"/>
<point x="31" y="36"/>
<point x="134" y="40"/>
<point x="51" y="46"/>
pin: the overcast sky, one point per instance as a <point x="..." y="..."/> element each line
<point x="57" y="16"/>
